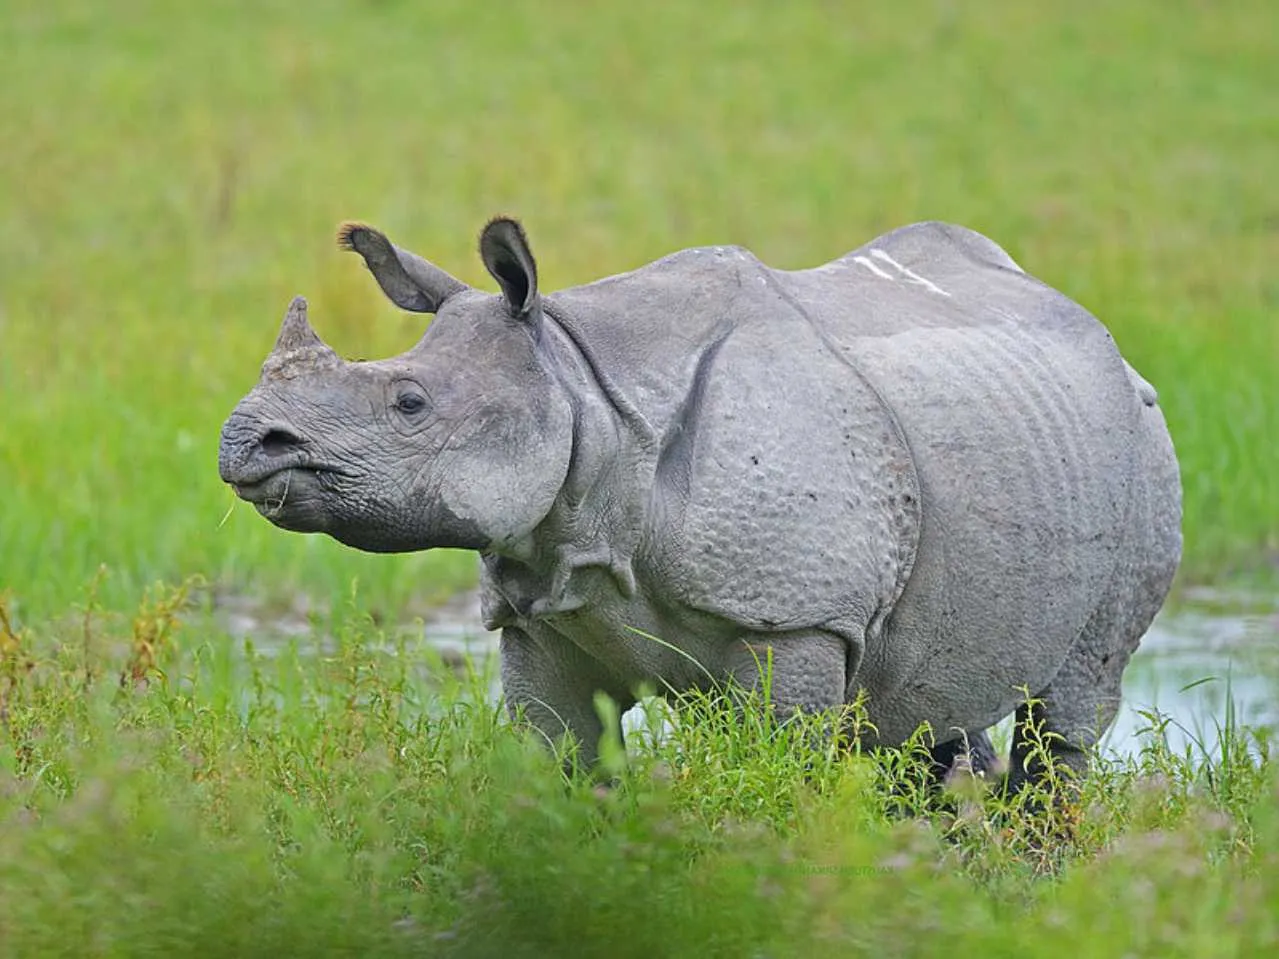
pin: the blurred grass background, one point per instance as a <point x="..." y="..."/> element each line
<point x="171" y="174"/>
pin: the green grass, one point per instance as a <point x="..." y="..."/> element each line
<point x="171" y="176"/>
<point x="163" y="795"/>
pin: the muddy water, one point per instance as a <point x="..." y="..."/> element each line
<point x="1209" y="651"/>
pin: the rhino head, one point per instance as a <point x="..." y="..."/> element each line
<point x="464" y="441"/>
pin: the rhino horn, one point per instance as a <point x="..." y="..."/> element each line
<point x="295" y="331"/>
<point x="298" y="344"/>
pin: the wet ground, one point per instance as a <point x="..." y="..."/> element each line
<point x="1210" y="654"/>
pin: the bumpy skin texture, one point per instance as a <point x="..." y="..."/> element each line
<point x="915" y="471"/>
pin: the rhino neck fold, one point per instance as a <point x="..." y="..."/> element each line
<point x="603" y="384"/>
<point x="596" y="521"/>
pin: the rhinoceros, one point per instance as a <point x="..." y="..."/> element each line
<point x="915" y="471"/>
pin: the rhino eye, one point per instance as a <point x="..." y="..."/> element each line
<point x="410" y="403"/>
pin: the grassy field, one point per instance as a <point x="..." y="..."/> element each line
<point x="169" y="178"/>
<point x="165" y="795"/>
<point x="170" y="175"/>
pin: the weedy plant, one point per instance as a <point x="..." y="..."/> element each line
<point x="350" y="793"/>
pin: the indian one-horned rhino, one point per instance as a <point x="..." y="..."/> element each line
<point x="915" y="471"/>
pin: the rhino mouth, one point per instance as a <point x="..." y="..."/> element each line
<point x="291" y="498"/>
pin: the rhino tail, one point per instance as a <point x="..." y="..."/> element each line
<point x="1145" y="392"/>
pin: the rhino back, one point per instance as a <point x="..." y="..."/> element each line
<point x="792" y="417"/>
<point x="645" y="332"/>
<point x="1024" y="429"/>
<point x="780" y="492"/>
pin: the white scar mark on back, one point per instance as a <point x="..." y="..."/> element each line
<point x="863" y="261"/>
<point x="909" y="274"/>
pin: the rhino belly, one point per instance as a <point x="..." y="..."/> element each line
<point x="1024" y="443"/>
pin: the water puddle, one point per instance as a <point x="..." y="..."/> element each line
<point x="1214" y="656"/>
<point x="1201" y="666"/>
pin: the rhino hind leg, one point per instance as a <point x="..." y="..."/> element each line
<point x="1068" y="718"/>
<point x="972" y="751"/>
<point x="802" y="670"/>
<point x="1064" y="722"/>
<point x="1081" y="702"/>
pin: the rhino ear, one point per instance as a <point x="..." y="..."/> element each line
<point x="409" y="281"/>
<point x="506" y="254"/>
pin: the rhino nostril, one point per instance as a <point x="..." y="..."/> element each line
<point x="278" y="442"/>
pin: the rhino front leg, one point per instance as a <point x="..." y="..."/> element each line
<point x="805" y="671"/>
<point x="550" y="683"/>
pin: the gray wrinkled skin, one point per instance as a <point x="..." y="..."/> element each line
<point x="914" y="470"/>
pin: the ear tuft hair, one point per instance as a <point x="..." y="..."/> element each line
<point x="508" y="228"/>
<point x="409" y="281"/>
<point x="347" y="234"/>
